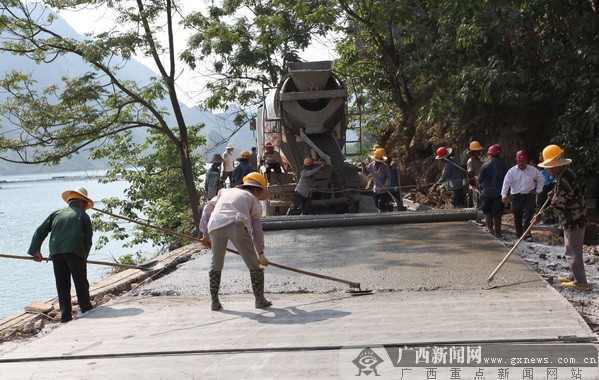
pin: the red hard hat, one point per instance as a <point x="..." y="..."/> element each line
<point x="522" y="155"/>
<point x="268" y="143"/>
<point x="443" y="152"/>
<point x="494" y="150"/>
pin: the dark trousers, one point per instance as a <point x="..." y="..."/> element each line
<point x="523" y="208"/>
<point x="301" y="201"/>
<point x="270" y="168"/>
<point x="225" y="176"/>
<point x="492" y="206"/>
<point x="458" y="198"/>
<point x="67" y="265"/>
<point x="381" y="201"/>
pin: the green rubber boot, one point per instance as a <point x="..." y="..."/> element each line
<point x="257" y="277"/>
<point x="214" y="286"/>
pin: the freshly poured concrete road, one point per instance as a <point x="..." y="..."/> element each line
<point x="429" y="283"/>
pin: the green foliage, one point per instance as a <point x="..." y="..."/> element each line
<point x="526" y="58"/>
<point x="394" y="48"/>
<point x="98" y="109"/>
<point x="250" y="44"/>
<point x="157" y="192"/>
<point x="485" y="69"/>
<point x="131" y="259"/>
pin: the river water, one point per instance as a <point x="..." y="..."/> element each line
<point x="25" y="202"/>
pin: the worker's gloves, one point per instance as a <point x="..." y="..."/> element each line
<point x="206" y="241"/>
<point x="262" y="259"/>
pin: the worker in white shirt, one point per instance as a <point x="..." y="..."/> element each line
<point x="228" y="166"/>
<point x="234" y="214"/>
<point x="523" y="182"/>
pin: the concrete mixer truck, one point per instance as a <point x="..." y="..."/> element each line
<point x="306" y="116"/>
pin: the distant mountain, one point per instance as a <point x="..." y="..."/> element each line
<point x="217" y="128"/>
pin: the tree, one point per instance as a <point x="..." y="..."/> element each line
<point x="528" y="76"/>
<point x="393" y="47"/>
<point x="522" y="73"/>
<point x="98" y="109"/>
<point x="153" y="174"/>
<point x="250" y="44"/>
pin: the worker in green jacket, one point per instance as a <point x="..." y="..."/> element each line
<point x="70" y="243"/>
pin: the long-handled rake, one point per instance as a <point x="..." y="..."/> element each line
<point x="150" y="266"/>
<point x="492" y="276"/>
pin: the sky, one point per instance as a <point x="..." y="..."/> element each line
<point x="190" y="84"/>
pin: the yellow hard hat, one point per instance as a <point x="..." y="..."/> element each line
<point x="308" y="161"/>
<point x="256" y="179"/>
<point x="243" y="155"/>
<point x="379" y="154"/>
<point x="553" y="156"/>
<point x="551" y="152"/>
<point x="475" y="145"/>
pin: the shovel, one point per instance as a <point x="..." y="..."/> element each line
<point x="146" y="267"/>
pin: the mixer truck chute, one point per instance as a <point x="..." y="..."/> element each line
<point x="306" y="116"/>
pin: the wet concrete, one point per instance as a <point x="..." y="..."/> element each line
<point x="430" y="289"/>
<point x="406" y="257"/>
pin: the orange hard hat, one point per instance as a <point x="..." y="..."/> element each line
<point x="475" y="145"/>
<point x="308" y="161"/>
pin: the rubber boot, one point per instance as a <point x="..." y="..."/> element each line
<point x="214" y="286"/>
<point x="489" y="223"/>
<point x="497" y="226"/>
<point x="257" y="277"/>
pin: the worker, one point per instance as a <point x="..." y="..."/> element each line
<point x="453" y="173"/>
<point x="523" y="182"/>
<point x="301" y="194"/>
<point x="228" y="165"/>
<point x="272" y="162"/>
<point x="568" y="205"/>
<point x="242" y="169"/>
<point x="254" y="159"/>
<point x="381" y="178"/>
<point x="234" y="214"/>
<point x="71" y="233"/>
<point x="473" y="166"/>
<point x="394" y="188"/>
<point x="213" y="183"/>
<point x="547" y="188"/>
<point x="490" y="179"/>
